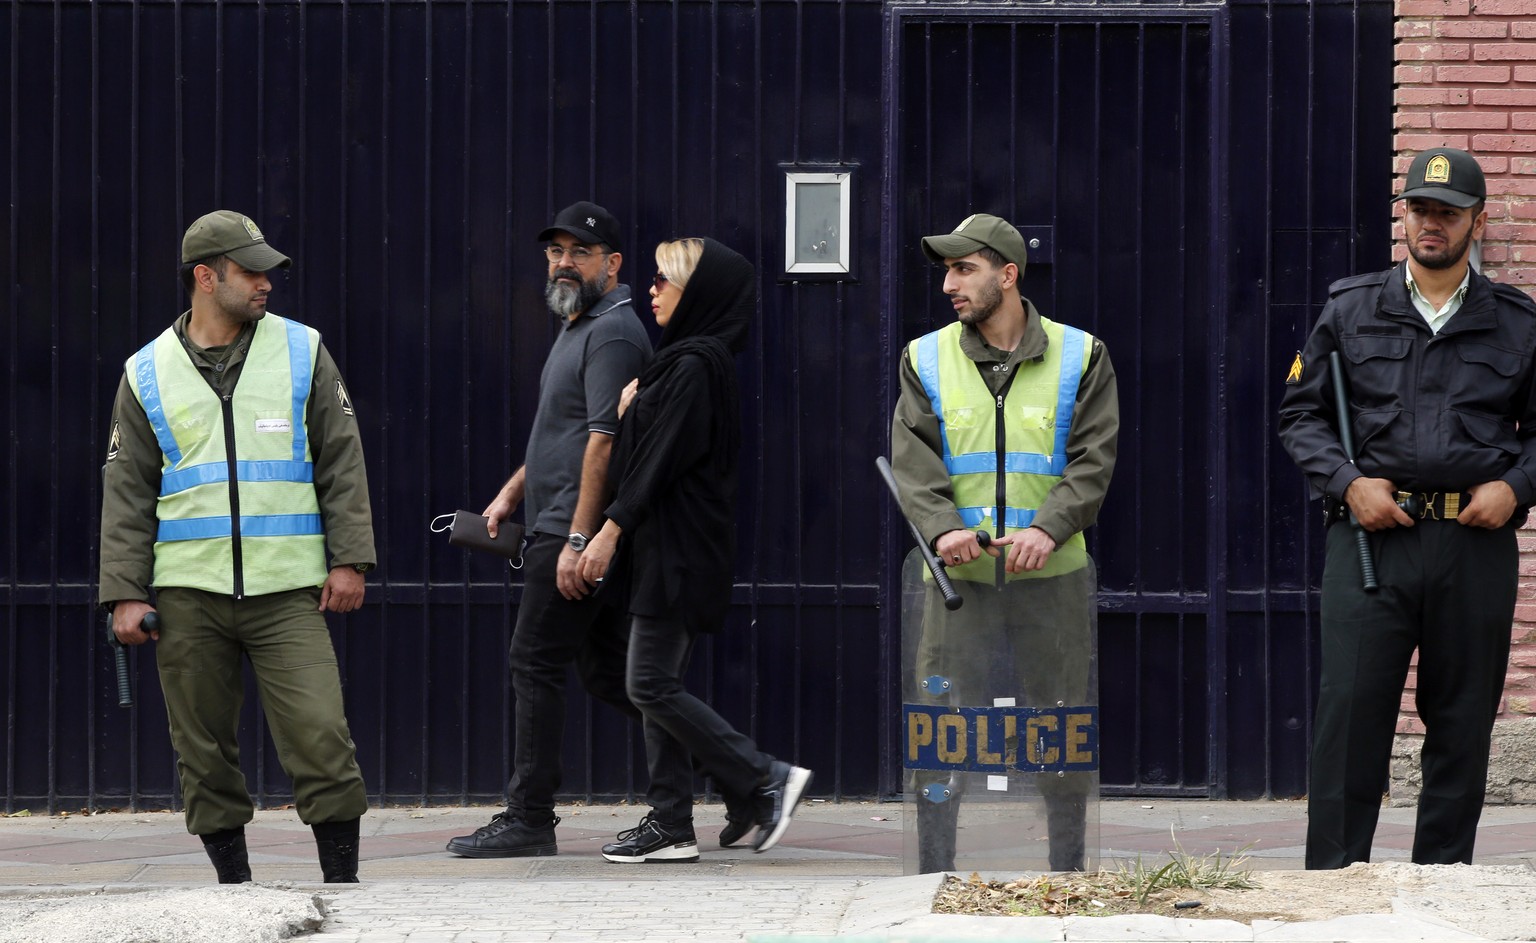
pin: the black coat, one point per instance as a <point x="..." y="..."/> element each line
<point x="674" y="466"/>
<point x="1431" y="412"/>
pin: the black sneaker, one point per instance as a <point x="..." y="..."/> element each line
<point x="653" y="841"/>
<point x="735" y="830"/>
<point x="507" y="836"/>
<point x="776" y="801"/>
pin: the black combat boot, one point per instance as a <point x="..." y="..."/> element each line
<point x="226" y="850"/>
<point x="337" y="844"/>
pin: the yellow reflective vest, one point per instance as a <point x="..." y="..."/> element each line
<point x="1007" y="451"/>
<point x="238" y="513"/>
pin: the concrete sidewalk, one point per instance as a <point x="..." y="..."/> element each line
<point x="837" y="872"/>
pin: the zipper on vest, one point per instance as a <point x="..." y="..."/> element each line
<point x="228" y="406"/>
<point x="1001" y="498"/>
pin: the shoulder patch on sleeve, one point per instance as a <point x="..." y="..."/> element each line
<point x="115" y="441"/>
<point x="1358" y="281"/>
<point x="342" y="398"/>
<point x="1294" y="376"/>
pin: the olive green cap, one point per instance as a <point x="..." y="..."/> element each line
<point x="228" y="233"/>
<point x="976" y="231"/>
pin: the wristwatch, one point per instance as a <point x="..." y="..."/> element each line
<point x="362" y="567"/>
<point x="577" y="542"/>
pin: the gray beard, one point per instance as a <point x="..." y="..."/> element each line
<point x="566" y="301"/>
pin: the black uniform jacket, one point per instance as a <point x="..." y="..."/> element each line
<point x="1431" y="412"/>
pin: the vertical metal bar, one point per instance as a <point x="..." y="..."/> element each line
<point x="53" y="415"/>
<point x="466" y="116"/>
<point x="759" y="505"/>
<point x="1217" y="698"/>
<point x="387" y="82"/>
<point x="424" y="664"/>
<point x="12" y="454"/>
<point x="841" y="473"/>
<point x="94" y="702"/>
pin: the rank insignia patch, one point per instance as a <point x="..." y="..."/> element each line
<point x="115" y="442"/>
<point x="1294" y="376"/>
<point x="1438" y="170"/>
<point x="343" y="398"/>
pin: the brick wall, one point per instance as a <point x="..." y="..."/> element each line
<point x="1466" y="77"/>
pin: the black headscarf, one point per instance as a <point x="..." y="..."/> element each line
<point x="710" y="323"/>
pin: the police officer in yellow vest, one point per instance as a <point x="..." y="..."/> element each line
<point x="1003" y="387"/>
<point x="235" y="494"/>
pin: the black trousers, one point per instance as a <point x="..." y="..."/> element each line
<point x="1448" y="591"/>
<point x="551" y="633"/>
<point x="678" y="725"/>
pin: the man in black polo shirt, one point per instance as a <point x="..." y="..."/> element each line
<point x="1439" y="364"/>
<point x="600" y="347"/>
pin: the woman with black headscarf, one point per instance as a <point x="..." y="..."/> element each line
<point x="673" y="474"/>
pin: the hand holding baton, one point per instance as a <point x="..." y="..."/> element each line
<point x="952" y="600"/>
<point x="150" y="623"/>
<point x="1347" y="439"/>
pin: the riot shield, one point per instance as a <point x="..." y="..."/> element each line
<point x="1000" y="724"/>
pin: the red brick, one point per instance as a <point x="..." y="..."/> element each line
<point x="1497" y="120"/>
<point x="1522" y="120"/>
<point x="1504" y="96"/>
<point x="1433" y="52"/>
<point x="1419" y="120"/>
<point x="1495" y="254"/>
<point x="1413" y="74"/>
<point x="1410" y="726"/>
<point x="1496" y="8"/>
<point x="1522" y="143"/>
<point x="1493" y="165"/>
<point x="1525" y="73"/>
<point x="1526" y="30"/>
<point x="1522" y="165"/>
<point x="1523" y="211"/>
<point x="1490" y="52"/>
<point x="1488" y="74"/>
<point x="1432" y="96"/>
<point x="1419" y="142"/>
<point x="1518" y="276"/>
<point x="1435" y="7"/>
<point x="1467" y="29"/>
<point x="1414" y="29"/>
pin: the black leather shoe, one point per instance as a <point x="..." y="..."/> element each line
<point x="776" y="801"/>
<point x="226" y="850"/>
<point x="653" y="841"/>
<point x="507" y="836"/>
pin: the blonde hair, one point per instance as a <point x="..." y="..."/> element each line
<point x="677" y="259"/>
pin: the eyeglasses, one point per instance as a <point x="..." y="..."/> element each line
<point x="578" y="254"/>
<point x="660" y="281"/>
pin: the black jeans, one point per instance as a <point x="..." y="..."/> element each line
<point x="551" y="633"/>
<point x="1448" y="591"/>
<point x="678" y="724"/>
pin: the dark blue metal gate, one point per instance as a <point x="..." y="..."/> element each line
<point x="1199" y="172"/>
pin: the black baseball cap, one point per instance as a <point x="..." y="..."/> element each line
<point x="588" y="222"/>
<point x="974" y="232"/>
<point x="1445" y="174"/>
<point x="227" y="233"/>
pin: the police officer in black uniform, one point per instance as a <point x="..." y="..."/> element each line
<point x="1439" y="364"/>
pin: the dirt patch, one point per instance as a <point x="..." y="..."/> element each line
<point x="1476" y="899"/>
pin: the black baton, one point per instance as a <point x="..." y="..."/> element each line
<point x="952" y="600"/>
<point x="1347" y="439"/>
<point x="150" y="623"/>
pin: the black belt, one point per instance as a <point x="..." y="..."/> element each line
<point x="1421" y="505"/>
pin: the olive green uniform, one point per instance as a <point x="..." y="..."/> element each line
<point x="204" y="635"/>
<point x="1027" y="638"/>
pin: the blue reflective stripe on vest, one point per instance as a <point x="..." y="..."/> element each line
<point x="1013" y="518"/>
<point x="927" y="367"/>
<point x="154" y="408"/>
<point x="298" y="360"/>
<point x="1066" y="402"/>
<point x="266" y="525"/>
<point x="211" y="472"/>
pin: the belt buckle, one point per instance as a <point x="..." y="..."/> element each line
<point x="1430" y="511"/>
<point x="1452" y="505"/>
